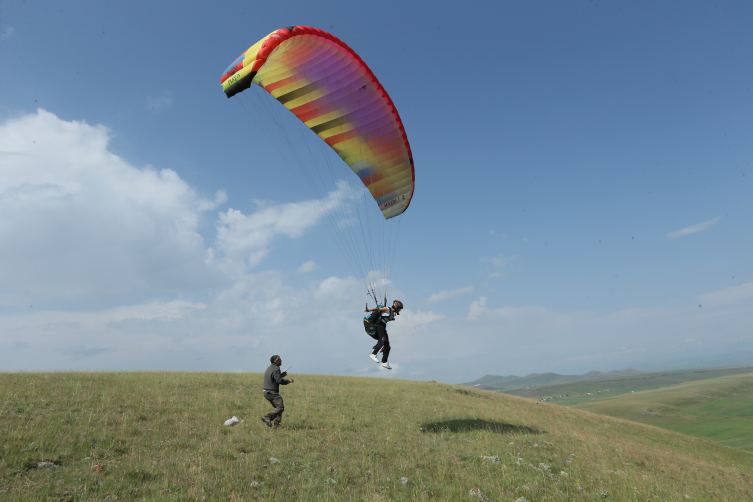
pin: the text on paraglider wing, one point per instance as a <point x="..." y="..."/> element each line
<point x="392" y="202"/>
<point x="233" y="79"/>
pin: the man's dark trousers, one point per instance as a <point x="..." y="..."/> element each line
<point x="275" y="400"/>
<point x="383" y="342"/>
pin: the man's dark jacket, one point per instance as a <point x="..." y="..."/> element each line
<point x="273" y="378"/>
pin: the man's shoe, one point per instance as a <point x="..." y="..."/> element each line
<point x="374" y="358"/>
<point x="386" y="366"/>
<point x="266" y="421"/>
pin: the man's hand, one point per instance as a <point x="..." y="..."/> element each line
<point x="284" y="374"/>
<point x="366" y="309"/>
<point x="291" y="380"/>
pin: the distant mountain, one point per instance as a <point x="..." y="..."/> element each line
<point x="494" y="382"/>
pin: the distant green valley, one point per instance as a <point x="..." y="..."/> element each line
<point x="714" y="403"/>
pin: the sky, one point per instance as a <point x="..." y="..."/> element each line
<point x="583" y="196"/>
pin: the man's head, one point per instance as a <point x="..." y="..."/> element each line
<point x="275" y="359"/>
<point x="397" y="306"/>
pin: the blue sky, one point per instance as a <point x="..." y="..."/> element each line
<point x="583" y="195"/>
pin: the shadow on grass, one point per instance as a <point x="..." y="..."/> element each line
<point x="472" y="424"/>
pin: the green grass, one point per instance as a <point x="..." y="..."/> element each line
<point x="732" y="433"/>
<point x="720" y="409"/>
<point x="725" y="408"/>
<point x="159" y="436"/>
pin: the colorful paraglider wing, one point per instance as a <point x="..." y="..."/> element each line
<point x="331" y="90"/>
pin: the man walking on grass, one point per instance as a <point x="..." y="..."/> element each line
<point x="272" y="381"/>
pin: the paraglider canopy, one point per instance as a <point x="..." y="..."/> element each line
<point x="335" y="95"/>
<point x="331" y="90"/>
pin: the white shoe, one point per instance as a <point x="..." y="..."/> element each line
<point x="386" y="366"/>
<point x="374" y="358"/>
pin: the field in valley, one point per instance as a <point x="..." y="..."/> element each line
<point x="720" y="409"/>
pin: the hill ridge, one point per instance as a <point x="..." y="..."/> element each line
<point x="496" y="382"/>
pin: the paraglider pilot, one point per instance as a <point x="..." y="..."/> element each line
<point x="376" y="327"/>
<point x="273" y="378"/>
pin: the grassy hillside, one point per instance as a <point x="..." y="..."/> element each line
<point x="719" y="409"/>
<point x="585" y="390"/>
<point x="159" y="436"/>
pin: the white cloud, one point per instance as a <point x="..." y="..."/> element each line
<point x="731" y="295"/>
<point x="220" y="197"/>
<point x="160" y="102"/>
<point x="692" y="229"/>
<point x="307" y="267"/>
<point x="83" y="228"/>
<point x="7" y="33"/>
<point x="446" y="295"/>
<point x="244" y="240"/>
<point x="501" y="263"/>
<point x="409" y="319"/>
<point x="527" y="314"/>
<point x="257" y="316"/>
<point x="78" y="221"/>
<point x="109" y="256"/>
<point x="476" y="309"/>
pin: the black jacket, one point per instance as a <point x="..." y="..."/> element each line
<point x="383" y="318"/>
<point x="273" y="378"/>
